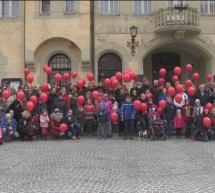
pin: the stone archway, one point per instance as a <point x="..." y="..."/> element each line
<point x="46" y="50"/>
<point x="198" y="50"/>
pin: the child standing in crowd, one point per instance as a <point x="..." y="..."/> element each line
<point x="169" y="115"/>
<point x="44" y="123"/>
<point x="89" y="112"/>
<point x="187" y="114"/>
<point x="80" y="117"/>
<point x="127" y="115"/>
<point x="103" y="121"/>
<point x="178" y="123"/>
<point x="115" y="124"/>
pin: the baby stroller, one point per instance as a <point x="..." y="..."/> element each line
<point x="156" y="126"/>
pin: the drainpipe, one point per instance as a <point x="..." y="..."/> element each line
<point x="92" y="37"/>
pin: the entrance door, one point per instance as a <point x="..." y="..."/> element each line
<point x="165" y="60"/>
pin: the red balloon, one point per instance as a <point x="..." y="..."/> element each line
<point x="134" y="76"/>
<point x="43" y="97"/>
<point x="74" y="74"/>
<point x="20" y="95"/>
<point x="148" y="96"/>
<point x="188" y="83"/>
<point x="90" y="76"/>
<point x="137" y="104"/>
<point x="58" y="77"/>
<point x="178" y="98"/>
<point x="207" y="122"/>
<point x="6" y="94"/>
<point x="162" y="104"/>
<point x="159" y="110"/>
<point x="30" y="78"/>
<point x="49" y="70"/>
<point x="80" y="83"/>
<point x="171" y="91"/>
<point x="83" y="80"/>
<point x="45" y="67"/>
<point x="66" y="76"/>
<point x="126" y="77"/>
<point x="30" y="106"/>
<point x="26" y="71"/>
<point x="113" y="78"/>
<point x="34" y="100"/>
<point x="177" y="71"/>
<point x="175" y="78"/>
<point x="45" y="87"/>
<point x="95" y="94"/>
<point x="114" y="116"/>
<point x="115" y="83"/>
<point x="209" y="77"/>
<point x="118" y="76"/>
<point x="189" y="68"/>
<point x="81" y="100"/>
<point x="63" y="127"/>
<point x="143" y="107"/>
<point x="161" y="81"/>
<point x="107" y="82"/>
<point x="89" y="108"/>
<point x="162" y="72"/>
<point x="179" y="88"/>
<point x="196" y="76"/>
<point x="209" y="106"/>
<point x="191" y="91"/>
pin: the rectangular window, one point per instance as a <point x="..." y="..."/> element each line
<point x="207" y="7"/>
<point x="142" y="7"/>
<point x="70" y="6"/>
<point x="109" y="7"/>
<point x="10" y="8"/>
<point x="45" y="7"/>
<point x="171" y="3"/>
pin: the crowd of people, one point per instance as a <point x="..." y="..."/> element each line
<point x="94" y="117"/>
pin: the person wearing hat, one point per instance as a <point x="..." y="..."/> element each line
<point x="103" y="119"/>
<point x="9" y="128"/>
<point x="73" y="127"/>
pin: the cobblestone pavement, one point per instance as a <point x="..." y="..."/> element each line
<point x="103" y="166"/>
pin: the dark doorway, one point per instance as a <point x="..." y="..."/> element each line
<point x="108" y="65"/>
<point x="165" y="60"/>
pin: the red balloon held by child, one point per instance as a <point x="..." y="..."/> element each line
<point x="114" y="116"/>
<point x="137" y="104"/>
<point x="63" y="127"/>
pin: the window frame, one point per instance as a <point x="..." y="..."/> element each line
<point x="208" y="13"/>
<point x="11" y="15"/>
<point x="69" y="12"/>
<point x="142" y="8"/>
<point x="170" y="3"/>
<point x="110" y="13"/>
<point x="44" y="13"/>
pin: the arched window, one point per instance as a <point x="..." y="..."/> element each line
<point x="108" y="65"/>
<point x="60" y="63"/>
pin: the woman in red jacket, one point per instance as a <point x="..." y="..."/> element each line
<point x="179" y="123"/>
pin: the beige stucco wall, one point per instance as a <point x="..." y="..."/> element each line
<point x="70" y="34"/>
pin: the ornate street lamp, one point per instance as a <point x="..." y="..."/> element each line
<point x="181" y="7"/>
<point x="133" y="44"/>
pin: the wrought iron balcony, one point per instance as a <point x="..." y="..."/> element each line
<point x="171" y="19"/>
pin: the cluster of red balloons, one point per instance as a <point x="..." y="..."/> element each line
<point x="140" y="106"/>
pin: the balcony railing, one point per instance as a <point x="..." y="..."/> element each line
<point x="168" y="18"/>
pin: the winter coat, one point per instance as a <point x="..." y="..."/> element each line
<point x="108" y="105"/>
<point x="204" y="99"/>
<point x="17" y="111"/>
<point x="127" y="111"/>
<point x="74" y="104"/>
<point x="187" y="112"/>
<point x="170" y="111"/>
<point x="66" y="98"/>
<point x="44" y="121"/>
<point x="61" y="105"/>
<point x="39" y="108"/>
<point x="26" y="128"/>
<point x="179" y="122"/>
<point x="6" y="125"/>
<point x="50" y="102"/>
<point x="54" y="126"/>
<point x="103" y="116"/>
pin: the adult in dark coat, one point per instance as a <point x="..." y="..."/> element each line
<point x="17" y="109"/>
<point x="51" y="98"/>
<point x="145" y="87"/>
<point x="202" y="95"/>
<point x="61" y="105"/>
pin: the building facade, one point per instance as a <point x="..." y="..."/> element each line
<point x="60" y="34"/>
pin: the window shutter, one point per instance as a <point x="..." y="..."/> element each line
<point x="15" y="8"/>
<point x="5" y="7"/>
<point x="103" y="7"/>
<point x="137" y="7"/>
<point x="115" y="7"/>
<point x="70" y="6"/>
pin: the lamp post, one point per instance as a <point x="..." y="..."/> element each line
<point x="133" y="44"/>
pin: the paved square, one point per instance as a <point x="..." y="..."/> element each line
<point x="95" y="165"/>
